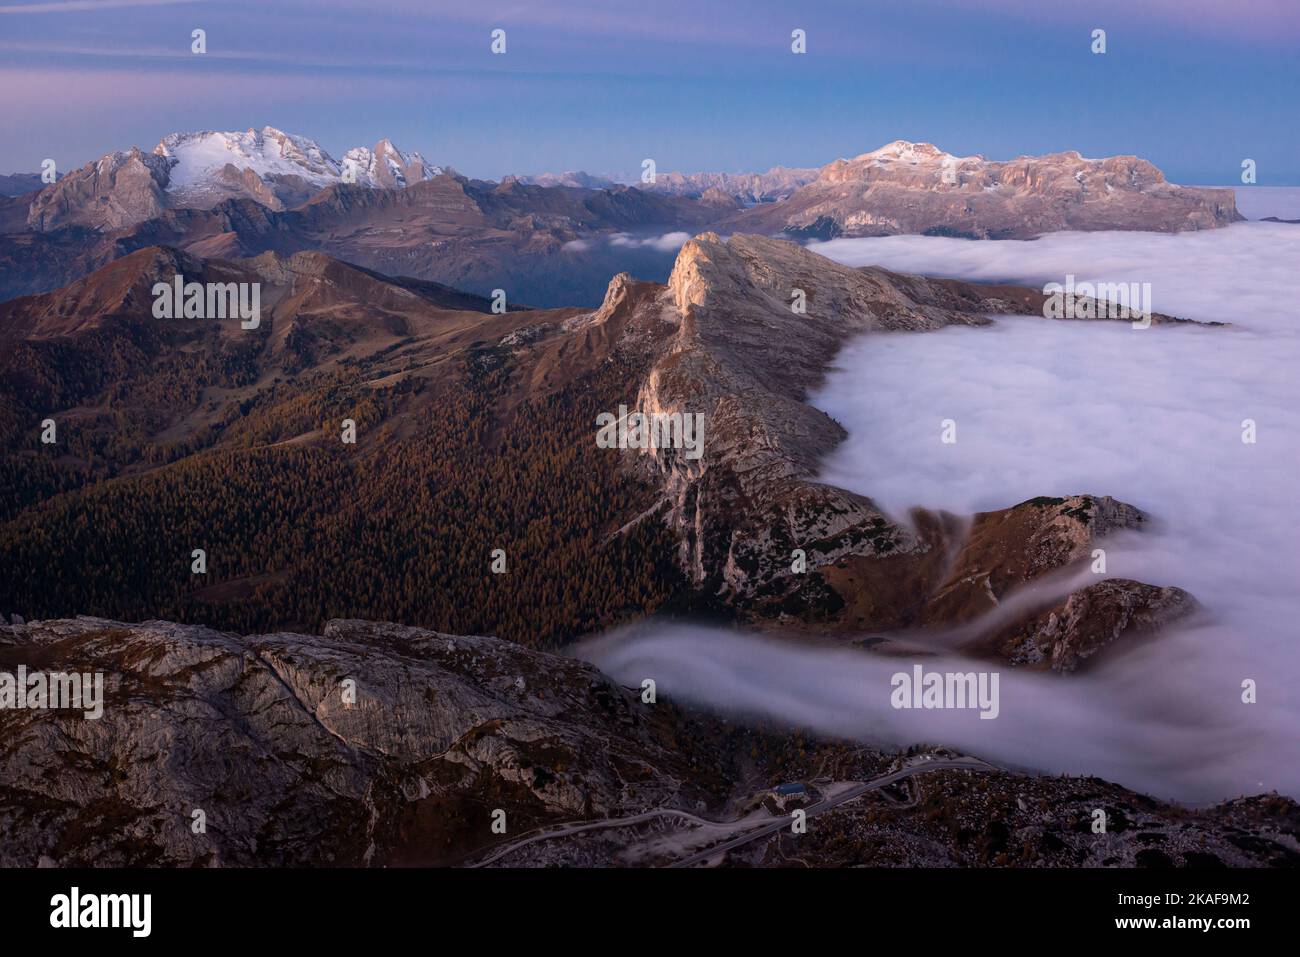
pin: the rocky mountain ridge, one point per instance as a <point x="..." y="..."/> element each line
<point x="745" y="188"/>
<point x="543" y="246"/>
<point x="233" y="195"/>
<point x="728" y="343"/>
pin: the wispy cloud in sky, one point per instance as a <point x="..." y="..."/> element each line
<point x="85" y="6"/>
<point x="601" y="84"/>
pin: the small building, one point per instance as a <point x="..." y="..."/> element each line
<point x="788" y="795"/>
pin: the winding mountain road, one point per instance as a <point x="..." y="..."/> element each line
<point x="763" y="829"/>
<point x="778" y="824"/>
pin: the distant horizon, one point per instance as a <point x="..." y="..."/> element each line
<point x="626" y="177"/>
<point x="597" y="85"/>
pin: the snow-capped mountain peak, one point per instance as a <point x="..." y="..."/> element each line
<point x="267" y="152"/>
<point x="385" y="166"/>
<point x="276" y="168"/>
<point x="905" y="151"/>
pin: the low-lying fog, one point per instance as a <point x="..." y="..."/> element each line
<point x="1151" y="416"/>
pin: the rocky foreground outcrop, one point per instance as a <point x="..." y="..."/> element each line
<point x="918" y="188"/>
<point x="761" y="535"/>
<point x="382" y="745"/>
<point x="369" y="744"/>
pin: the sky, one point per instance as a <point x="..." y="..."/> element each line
<point x="1196" y="86"/>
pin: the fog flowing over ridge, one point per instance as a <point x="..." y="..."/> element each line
<point x="1151" y="416"/>
<point x="1119" y="725"/>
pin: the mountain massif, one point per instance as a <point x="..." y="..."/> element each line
<point x="235" y="195"/>
<point x="917" y="188"/>
<point x="199" y="170"/>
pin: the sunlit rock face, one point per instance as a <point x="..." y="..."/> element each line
<point x="918" y="188"/>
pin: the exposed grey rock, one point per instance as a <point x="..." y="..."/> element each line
<point x="116" y="190"/>
<point x="258" y="734"/>
<point x="1088" y="621"/>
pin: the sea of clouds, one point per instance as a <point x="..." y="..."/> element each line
<point x="660" y="243"/>
<point x="1151" y="416"/>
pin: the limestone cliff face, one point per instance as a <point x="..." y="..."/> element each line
<point x="918" y="188"/>
<point x="746" y="329"/>
<point x="745" y="357"/>
<point x="258" y="733"/>
<point x="114" y="191"/>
